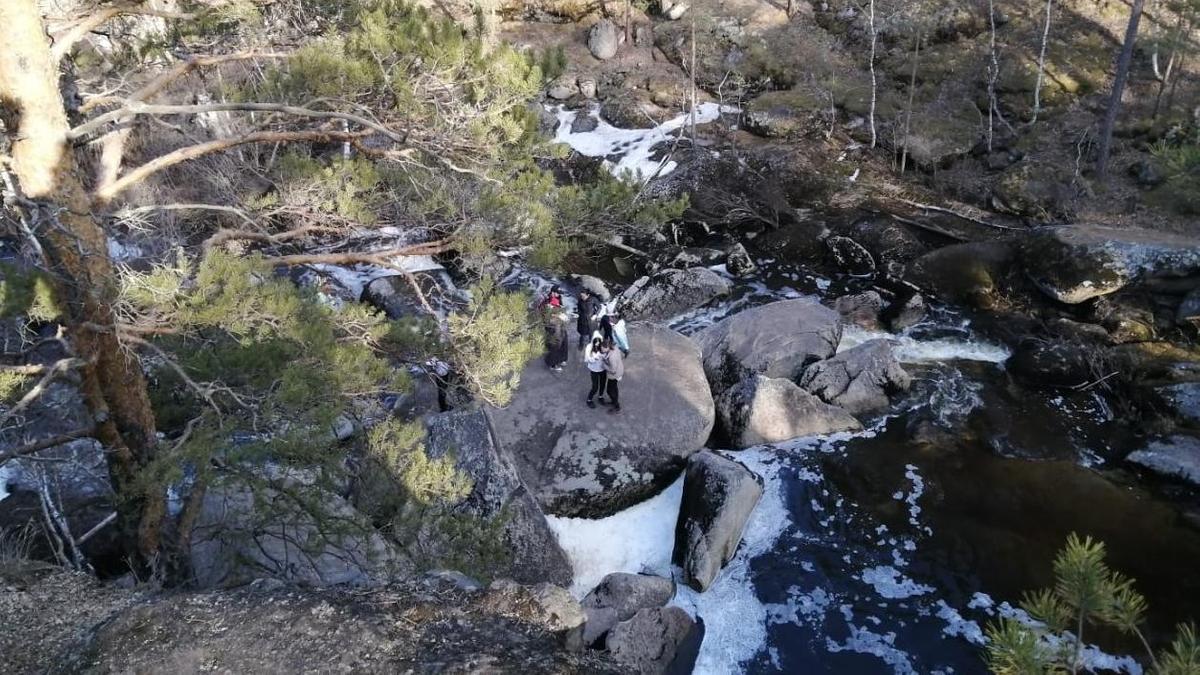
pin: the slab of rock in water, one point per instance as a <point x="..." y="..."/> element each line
<point x="779" y="339"/>
<point x="671" y="292"/>
<point x="648" y="642"/>
<point x="1074" y="263"/>
<point x="1175" y="457"/>
<point x="618" y="597"/>
<point x="858" y="380"/>
<point x="968" y="273"/>
<point x="580" y="461"/>
<point x="497" y="493"/>
<point x="861" y="309"/>
<point x="763" y="410"/>
<point x="718" y="497"/>
<point x="1183" y="399"/>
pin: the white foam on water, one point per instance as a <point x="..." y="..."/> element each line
<point x="891" y="584"/>
<point x="634" y="146"/>
<point x="863" y="641"/>
<point x="735" y="620"/>
<point x="638" y="539"/>
<point x="4" y="473"/>
<point x="957" y="626"/>
<point x="911" y="350"/>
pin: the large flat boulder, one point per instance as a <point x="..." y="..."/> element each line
<point x="858" y="380"/>
<point x="1074" y="263"/>
<point x="671" y="292"/>
<point x="779" y="339"/>
<point x="498" y="492"/>
<point x="584" y="462"/>
<point x="718" y="497"/>
<point x="761" y="410"/>
<point x="648" y="642"/>
<point x="618" y="597"/>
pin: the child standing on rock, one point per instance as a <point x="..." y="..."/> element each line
<point x="614" y="366"/>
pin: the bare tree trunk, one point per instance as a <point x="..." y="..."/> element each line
<point x="77" y="252"/>
<point x="1114" y="102"/>
<point x="1037" y="89"/>
<point x="1165" y="78"/>
<point x="993" y="74"/>
<point x="912" y="90"/>
<point x="693" y="91"/>
<point x="874" y="83"/>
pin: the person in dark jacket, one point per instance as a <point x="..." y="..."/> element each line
<point x="558" y="340"/>
<point x="588" y="316"/>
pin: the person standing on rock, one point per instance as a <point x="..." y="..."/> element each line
<point x="552" y="301"/>
<point x="620" y="337"/>
<point x="558" y="341"/>
<point x="593" y="356"/>
<point x="614" y="366"/>
<point x="588" y="312"/>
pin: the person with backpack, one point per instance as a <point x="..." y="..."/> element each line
<point x="614" y="367"/>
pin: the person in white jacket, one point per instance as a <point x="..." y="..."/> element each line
<point x="593" y="357"/>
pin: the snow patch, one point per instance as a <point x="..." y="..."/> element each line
<point x="638" y="539"/>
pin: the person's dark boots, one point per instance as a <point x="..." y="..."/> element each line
<point x="592" y="404"/>
<point x="614" y="410"/>
<point x="603" y="401"/>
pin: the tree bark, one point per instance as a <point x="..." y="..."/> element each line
<point x="77" y="252"/>
<point x="1041" y="75"/>
<point x="1114" y="102"/>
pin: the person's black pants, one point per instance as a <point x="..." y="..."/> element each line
<point x="597" y="384"/>
<point x="585" y="336"/>
<point x="614" y="393"/>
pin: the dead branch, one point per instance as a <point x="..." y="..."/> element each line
<point x="135" y="108"/>
<point x="96" y="528"/>
<point x="73" y="32"/>
<point x="926" y="226"/>
<point x="23" y="370"/>
<point x="108" y="192"/>
<point x="224" y="234"/>
<point x="38" y="446"/>
<point x="131" y="213"/>
<point x="381" y="257"/>
<point x="956" y="214"/>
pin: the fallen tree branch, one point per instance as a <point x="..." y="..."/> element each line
<point x="96" y="528"/>
<point x="223" y="235"/>
<point x="926" y="226"/>
<point x="129" y="213"/>
<point x="49" y="442"/>
<point x="23" y="370"/>
<point x="108" y="192"/>
<point x="956" y="214"/>
<point x="381" y="257"/>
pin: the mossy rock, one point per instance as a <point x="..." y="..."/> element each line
<point x="785" y="114"/>
<point x="1036" y="190"/>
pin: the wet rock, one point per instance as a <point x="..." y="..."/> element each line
<point x="1175" y="457"/>
<point x="647" y="643"/>
<point x="763" y="410"/>
<point x="1182" y="400"/>
<point x="671" y="292"/>
<point x="738" y="261"/>
<point x="779" y="339"/>
<point x="244" y="533"/>
<point x="580" y="461"/>
<point x="1189" y="309"/>
<point x="593" y="285"/>
<point x="393" y="296"/>
<point x="625" y="110"/>
<point x="1074" y="263"/>
<point x="858" y="380"/>
<point x="851" y="256"/>
<point x="969" y="273"/>
<point x="694" y="256"/>
<point x="265" y="628"/>
<point x="563" y="88"/>
<point x="534" y="553"/>
<point x="1050" y="363"/>
<point x="603" y="39"/>
<point x="718" y="497"/>
<point x="908" y="313"/>
<point x="862" y="309"/>
<point x="544" y="605"/>
<point x="1124" y="322"/>
<point x="618" y="597"/>
<point x="584" y="123"/>
<point x="886" y="239"/>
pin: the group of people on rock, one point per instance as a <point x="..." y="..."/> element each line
<point x="602" y="337"/>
